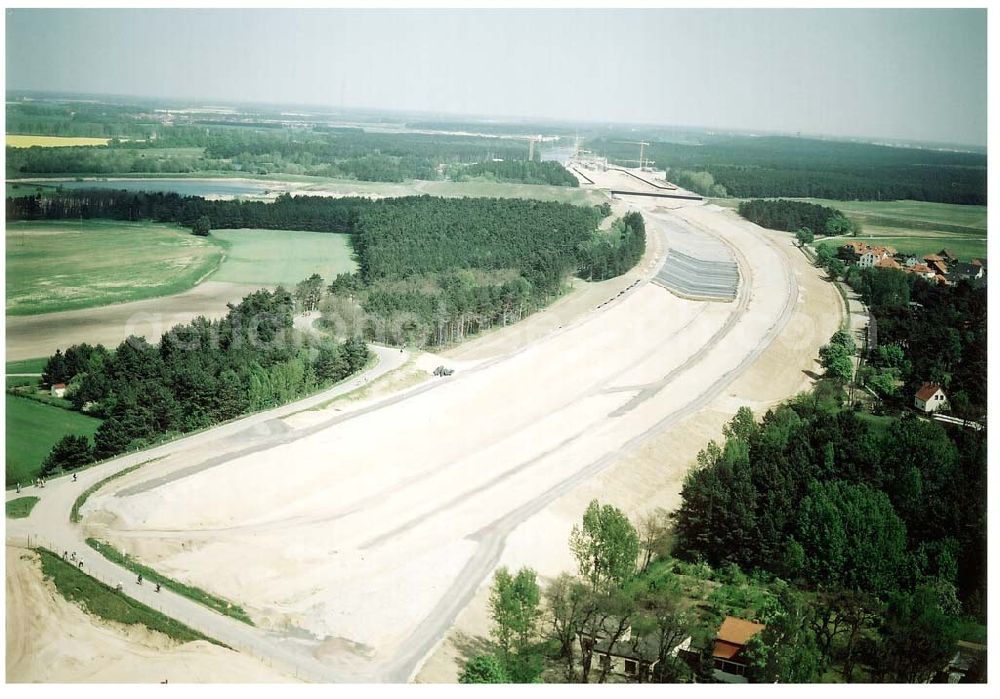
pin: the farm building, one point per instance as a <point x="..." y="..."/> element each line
<point x="57" y="390"/>
<point x="729" y="647"/>
<point x="930" y="398"/>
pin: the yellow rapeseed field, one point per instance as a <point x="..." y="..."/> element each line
<point x="19" y="141"/>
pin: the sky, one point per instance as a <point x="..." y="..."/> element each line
<point x="916" y="75"/>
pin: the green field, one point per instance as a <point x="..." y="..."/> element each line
<point x="27" y="366"/>
<point x="916" y="227"/>
<point x="19" y="508"/>
<point x="66" y="265"/>
<point x="32" y="429"/>
<point x="256" y="256"/>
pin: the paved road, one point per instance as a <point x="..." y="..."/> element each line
<point x="50" y="526"/>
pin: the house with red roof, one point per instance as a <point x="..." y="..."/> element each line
<point x="930" y="398"/>
<point x="730" y="643"/>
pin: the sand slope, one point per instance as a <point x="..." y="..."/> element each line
<point x="52" y="640"/>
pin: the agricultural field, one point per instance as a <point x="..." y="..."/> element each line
<point x="25" y="141"/>
<point x="27" y="366"/>
<point x="61" y="266"/>
<point x="32" y="430"/>
<point x="915" y="227"/>
<point x="21" y="141"/>
<point x="271" y="257"/>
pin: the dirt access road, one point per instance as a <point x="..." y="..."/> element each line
<point x="355" y="544"/>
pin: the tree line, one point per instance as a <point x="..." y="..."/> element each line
<point x="527" y="171"/>
<point x="792" y="216"/>
<point x="199" y="374"/>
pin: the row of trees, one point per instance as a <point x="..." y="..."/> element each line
<point x="200" y="374"/>
<point x="527" y="171"/>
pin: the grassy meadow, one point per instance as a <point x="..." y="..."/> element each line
<point x="27" y="366"/>
<point x="271" y="257"/>
<point x="19" y="508"/>
<point x="916" y="227"/>
<point x="68" y="265"/>
<point x="32" y="429"/>
<point x="22" y="141"/>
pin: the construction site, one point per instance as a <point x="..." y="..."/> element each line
<point x="378" y="542"/>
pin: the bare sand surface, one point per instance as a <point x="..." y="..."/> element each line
<point x="652" y="475"/>
<point x="41" y="335"/>
<point x="52" y="640"/>
<point x="369" y="535"/>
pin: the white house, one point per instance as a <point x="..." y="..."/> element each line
<point x="57" y="390"/>
<point x="930" y="398"/>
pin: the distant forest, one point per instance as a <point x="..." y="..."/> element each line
<point x="778" y="166"/>
<point x="143" y="145"/>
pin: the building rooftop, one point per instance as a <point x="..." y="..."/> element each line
<point x="927" y="391"/>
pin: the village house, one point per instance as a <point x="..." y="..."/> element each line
<point x="888" y="263"/>
<point x="730" y="644"/>
<point x="964" y="270"/>
<point x="853" y="250"/>
<point x="930" y="398"/>
<point x="948" y="256"/>
<point x="921" y="269"/>
<point x="631" y="657"/>
<point x="57" y="390"/>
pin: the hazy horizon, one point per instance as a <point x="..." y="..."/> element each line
<point x="899" y="75"/>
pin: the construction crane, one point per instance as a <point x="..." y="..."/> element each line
<point x="642" y="150"/>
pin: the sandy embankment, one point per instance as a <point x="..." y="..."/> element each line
<point x="52" y="640"/>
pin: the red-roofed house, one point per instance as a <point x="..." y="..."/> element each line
<point x="731" y="641"/>
<point x="888" y="263"/>
<point x="872" y="256"/>
<point x="921" y="269"/>
<point x="57" y="390"/>
<point x="938" y="266"/>
<point x="930" y="398"/>
<point x="855" y="246"/>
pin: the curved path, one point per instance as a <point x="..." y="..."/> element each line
<point x="385" y="520"/>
